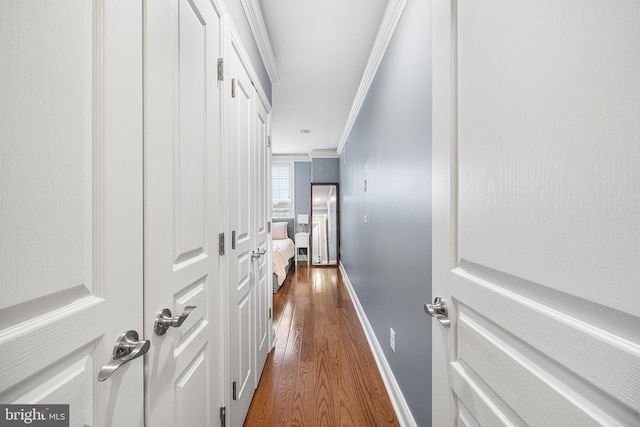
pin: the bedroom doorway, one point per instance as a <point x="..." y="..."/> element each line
<point x="325" y="224"/>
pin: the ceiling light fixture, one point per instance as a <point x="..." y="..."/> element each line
<point x="304" y="131"/>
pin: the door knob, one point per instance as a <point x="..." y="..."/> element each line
<point x="257" y="254"/>
<point x="126" y="349"/>
<point x="438" y="310"/>
<point x="164" y="320"/>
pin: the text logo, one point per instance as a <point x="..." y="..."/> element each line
<point x="34" y="415"/>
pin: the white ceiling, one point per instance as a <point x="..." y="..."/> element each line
<point x="321" y="49"/>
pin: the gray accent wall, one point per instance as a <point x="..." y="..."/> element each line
<point x="388" y="260"/>
<point x="302" y="188"/>
<point x="325" y="170"/>
<point x="241" y="23"/>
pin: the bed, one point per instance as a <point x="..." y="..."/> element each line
<point x="282" y="232"/>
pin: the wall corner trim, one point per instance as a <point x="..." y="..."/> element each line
<point x="387" y="27"/>
<point x="395" y="394"/>
<point x="258" y="28"/>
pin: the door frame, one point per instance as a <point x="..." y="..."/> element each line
<point x="443" y="149"/>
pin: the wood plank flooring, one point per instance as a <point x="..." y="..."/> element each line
<point x="321" y="372"/>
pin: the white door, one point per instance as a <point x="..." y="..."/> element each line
<point x="182" y="161"/>
<point x="71" y="215"/>
<point x="241" y="295"/>
<point x="537" y="212"/>
<point x="264" y="279"/>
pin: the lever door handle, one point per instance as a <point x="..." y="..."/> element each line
<point x="257" y="254"/>
<point x="438" y="310"/>
<point x="126" y="349"/>
<point x="164" y="320"/>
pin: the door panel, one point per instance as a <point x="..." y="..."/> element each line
<point x="71" y="218"/>
<point x="557" y="134"/>
<point x="190" y="170"/>
<point x="182" y="161"/>
<point x="242" y="299"/>
<point x="536" y="230"/>
<point x="264" y="285"/>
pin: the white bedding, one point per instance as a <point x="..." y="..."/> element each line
<point x="282" y="251"/>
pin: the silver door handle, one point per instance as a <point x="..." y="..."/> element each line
<point x="439" y="311"/>
<point x="164" y="320"/>
<point x="126" y="349"/>
<point x="257" y="254"/>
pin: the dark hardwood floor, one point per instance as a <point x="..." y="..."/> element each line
<point x="321" y="372"/>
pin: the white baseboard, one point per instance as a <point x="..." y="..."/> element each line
<point x="397" y="399"/>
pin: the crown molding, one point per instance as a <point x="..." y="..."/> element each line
<point x="324" y="154"/>
<point x="258" y="28"/>
<point x="283" y="158"/>
<point x="389" y="23"/>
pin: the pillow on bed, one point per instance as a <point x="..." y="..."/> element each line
<point x="279" y="230"/>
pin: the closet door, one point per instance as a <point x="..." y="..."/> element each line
<point x="241" y="305"/>
<point x="182" y="204"/>
<point x="71" y="215"/>
<point x="264" y="284"/>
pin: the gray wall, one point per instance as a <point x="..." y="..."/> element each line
<point x="388" y="260"/>
<point x="242" y="25"/>
<point x="302" y="184"/>
<point x="325" y="170"/>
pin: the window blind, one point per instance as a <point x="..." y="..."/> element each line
<point x="281" y="184"/>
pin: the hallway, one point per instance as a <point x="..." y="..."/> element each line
<point x="321" y="372"/>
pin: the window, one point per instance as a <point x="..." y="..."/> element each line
<point x="282" y="189"/>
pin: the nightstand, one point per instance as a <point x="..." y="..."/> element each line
<point x="302" y="243"/>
